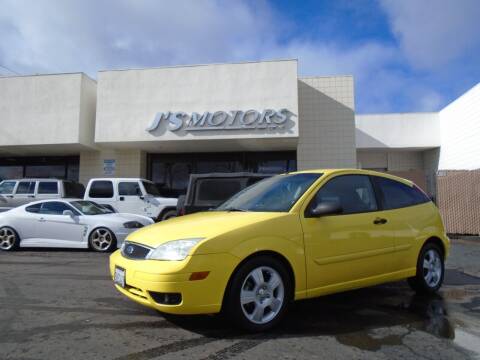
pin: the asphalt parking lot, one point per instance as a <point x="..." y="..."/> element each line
<point x="62" y="305"/>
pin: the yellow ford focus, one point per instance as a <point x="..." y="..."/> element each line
<point x="288" y="237"/>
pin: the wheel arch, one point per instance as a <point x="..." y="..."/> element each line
<point x="437" y="241"/>
<point x="164" y="210"/>
<point x="271" y="253"/>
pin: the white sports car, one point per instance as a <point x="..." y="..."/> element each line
<point x="66" y="223"/>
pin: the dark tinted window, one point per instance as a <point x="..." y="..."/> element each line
<point x="47" y="187"/>
<point x="354" y="193"/>
<point x="54" y="208"/>
<point x="73" y="189"/>
<point x="213" y="192"/>
<point x="26" y="187"/>
<point x="397" y="195"/>
<point x="7" y="187"/>
<point x="34" y="208"/>
<point x="101" y="189"/>
<point x="129" y="189"/>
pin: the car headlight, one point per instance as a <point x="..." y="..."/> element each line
<point x="132" y="225"/>
<point x="175" y="250"/>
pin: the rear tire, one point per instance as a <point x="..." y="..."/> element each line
<point x="259" y="294"/>
<point x="102" y="240"/>
<point x="9" y="240"/>
<point x="430" y="270"/>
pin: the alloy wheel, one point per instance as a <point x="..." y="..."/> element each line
<point x="7" y="238"/>
<point x="432" y="268"/>
<point x="262" y="295"/>
<point x="102" y="239"/>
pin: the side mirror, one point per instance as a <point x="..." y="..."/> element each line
<point x="325" y="208"/>
<point x="68" y="213"/>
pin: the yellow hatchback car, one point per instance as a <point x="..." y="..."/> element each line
<point x="289" y="237"/>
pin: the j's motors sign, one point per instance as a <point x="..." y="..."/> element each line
<point x="222" y="120"/>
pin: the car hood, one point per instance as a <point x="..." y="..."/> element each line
<point x="206" y="225"/>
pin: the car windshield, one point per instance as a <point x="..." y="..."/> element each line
<point x="89" y="208"/>
<point x="150" y="188"/>
<point x="275" y="194"/>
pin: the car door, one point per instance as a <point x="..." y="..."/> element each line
<point x="409" y="212"/>
<point x="351" y="246"/>
<point x="24" y="193"/>
<point x="7" y="189"/>
<point x="58" y="229"/>
<point x="102" y="192"/>
<point x="131" y="198"/>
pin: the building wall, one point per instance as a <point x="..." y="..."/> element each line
<point x="129" y="163"/>
<point x="391" y="160"/>
<point x="460" y="126"/>
<point x="129" y="100"/>
<point x="326" y="122"/>
<point x="88" y="107"/>
<point x="403" y="131"/>
<point x="45" y="110"/>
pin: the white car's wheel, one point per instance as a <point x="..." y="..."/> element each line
<point x="102" y="240"/>
<point x="8" y="239"/>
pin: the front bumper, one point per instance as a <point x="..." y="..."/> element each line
<point x="198" y="296"/>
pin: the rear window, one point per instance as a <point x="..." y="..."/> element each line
<point x="398" y="195"/>
<point x="35" y="208"/>
<point x="212" y="192"/>
<point x="50" y="187"/>
<point x="73" y="189"/>
<point x="101" y="189"/>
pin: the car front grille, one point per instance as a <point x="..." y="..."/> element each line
<point x="135" y="251"/>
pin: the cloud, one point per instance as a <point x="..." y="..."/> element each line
<point x="433" y="33"/>
<point x="44" y="36"/>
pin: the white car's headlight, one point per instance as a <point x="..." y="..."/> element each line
<point x="175" y="250"/>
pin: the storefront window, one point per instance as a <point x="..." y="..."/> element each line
<point x="45" y="171"/>
<point x="171" y="172"/>
<point x="11" y="172"/>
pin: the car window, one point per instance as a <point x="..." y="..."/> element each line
<point x="276" y="194"/>
<point x="130" y="188"/>
<point x="89" y="208"/>
<point x="73" y="189"/>
<point x="151" y="188"/>
<point x="354" y="193"/>
<point x="54" y="208"/>
<point x="35" y="208"/>
<point x="397" y="195"/>
<point x="6" y="187"/>
<point x="26" y="187"/>
<point x="50" y="187"/>
<point x="211" y="192"/>
<point x="101" y="189"/>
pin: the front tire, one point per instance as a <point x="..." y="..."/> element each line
<point x="259" y="294"/>
<point x="9" y="239"/>
<point x="102" y="240"/>
<point x="430" y="270"/>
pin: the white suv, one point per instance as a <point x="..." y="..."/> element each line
<point x="17" y="192"/>
<point x="131" y="195"/>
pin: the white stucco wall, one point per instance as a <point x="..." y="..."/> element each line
<point x="398" y="130"/>
<point x="129" y="100"/>
<point x="460" y="126"/>
<point x="327" y="123"/>
<point x="39" y="113"/>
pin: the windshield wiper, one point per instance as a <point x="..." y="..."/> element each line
<point x="235" y="209"/>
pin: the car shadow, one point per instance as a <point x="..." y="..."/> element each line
<point x="356" y="312"/>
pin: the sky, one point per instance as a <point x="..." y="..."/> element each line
<point x="405" y="55"/>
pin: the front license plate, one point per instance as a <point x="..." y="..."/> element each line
<point x="119" y="276"/>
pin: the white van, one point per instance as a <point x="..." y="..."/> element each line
<point x="131" y="195"/>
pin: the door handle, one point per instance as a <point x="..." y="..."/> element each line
<point x="42" y="220"/>
<point x="31" y="196"/>
<point x="122" y="198"/>
<point x="380" y="221"/>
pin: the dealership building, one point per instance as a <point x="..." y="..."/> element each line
<point x="166" y="123"/>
